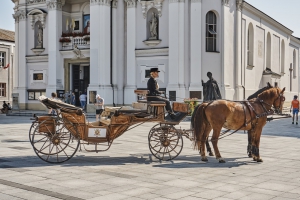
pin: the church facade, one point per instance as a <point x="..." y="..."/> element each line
<point x="108" y="47"/>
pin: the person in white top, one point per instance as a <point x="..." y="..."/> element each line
<point x="99" y="106"/>
<point x="82" y="99"/>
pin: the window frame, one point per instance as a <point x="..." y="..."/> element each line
<point x="33" y="94"/>
<point x="2" y="89"/>
<point x="2" y="57"/>
<point x="211" y="32"/>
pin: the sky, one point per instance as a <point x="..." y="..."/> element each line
<point x="286" y="12"/>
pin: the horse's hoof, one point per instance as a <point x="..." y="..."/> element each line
<point x="204" y="159"/>
<point x="254" y="159"/>
<point x="221" y="160"/>
<point x="250" y="155"/>
<point x="211" y="154"/>
<point x="259" y="160"/>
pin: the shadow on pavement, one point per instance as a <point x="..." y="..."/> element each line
<point x="16" y="163"/>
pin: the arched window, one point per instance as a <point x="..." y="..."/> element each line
<point x="211" y="32"/>
<point x="294" y="63"/>
<point x="250" y="45"/>
<point x="269" y="51"/>
<point x="282" y="56"/>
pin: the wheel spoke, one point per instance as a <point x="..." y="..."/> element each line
<point x="41" y="139"/>
<point x="68" y="145"/>
<point x="64" y="151"/>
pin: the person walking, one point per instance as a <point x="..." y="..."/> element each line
<point x="82" y="99"/>
<point x="73" y="100"/>
<point x="99" y="106"/>
<point x="295" y="107"/>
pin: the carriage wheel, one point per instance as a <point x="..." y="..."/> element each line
<point x="165" y="143"/>
<point x="53" y="143"/>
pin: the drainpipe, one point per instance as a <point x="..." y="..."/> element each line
<point x="111" y="52"/>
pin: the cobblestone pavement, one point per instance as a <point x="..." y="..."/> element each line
<point x="128" y="170"/>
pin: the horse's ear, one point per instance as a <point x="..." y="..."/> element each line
<point x="282" y="91"/>
<point x="269" y="85"/>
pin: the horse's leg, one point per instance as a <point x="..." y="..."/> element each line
<point x="203" y="140"/>
<point x="249" y="147"/>
<point x="214" y="140"/>
<point x="209" y="149"/>
<point x="255" y="145"/>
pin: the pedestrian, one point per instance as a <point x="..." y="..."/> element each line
<point x="73" y="100"/>
<point x="53" y="97"/>
<point x="99" y="106"/>
<point x="66" y="95"/>
<point x="295" y="106"/>
<point x="82" y="99"/>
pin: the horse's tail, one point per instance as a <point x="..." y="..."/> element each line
<point x="193" y="116"/>
<point x="199" y="123"/>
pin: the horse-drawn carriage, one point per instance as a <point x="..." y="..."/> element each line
<point x="56" y="139"/>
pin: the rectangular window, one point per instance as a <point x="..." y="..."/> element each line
<point x="37" y="76"/>
<point x="2" y="89"/>
<point x="35" y="94"/>
<point x="147" y="73"/>
<point x="172" y="95"/>
<point x="2" y="59"/>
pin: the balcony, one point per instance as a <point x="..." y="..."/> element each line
<point x="69" y="41"/>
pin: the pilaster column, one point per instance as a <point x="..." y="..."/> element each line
<point x="20" y="64"/>
<point x="129" y="96"/>
<point x="196" y="46"/>
<point x="176" y="48"/>
<point x="115" y="48"/>
<point x="54" y="32"/>
<point x="100" y="63"/>
<point x="238" y="51"/>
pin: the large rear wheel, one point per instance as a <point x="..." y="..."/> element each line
<point x="52" y="141"/>
<point x="165" y="143"/>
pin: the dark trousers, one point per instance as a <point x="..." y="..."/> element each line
<point x="168" y="105"/>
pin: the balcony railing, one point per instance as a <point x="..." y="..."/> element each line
<point x="81" y="43"/>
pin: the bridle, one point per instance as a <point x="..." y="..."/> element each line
<point x="277" y="109"/>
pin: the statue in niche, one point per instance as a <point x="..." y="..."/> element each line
<point x="40" y="37"/>
<point x="77" y="52"/>
<point x="153" y="27"/>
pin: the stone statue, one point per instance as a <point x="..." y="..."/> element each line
<point x="40" y="37"/>
<point x="211" y="89"/>
<point x="77" y="52"/>
<point x="153" y="27"/>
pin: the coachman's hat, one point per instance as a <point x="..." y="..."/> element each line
<point x="154" y="70"/>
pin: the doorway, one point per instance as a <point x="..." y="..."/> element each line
<point x="80" y="81"/>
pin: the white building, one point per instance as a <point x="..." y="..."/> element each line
<point x="7" y="46"/>
<point x="243" y="48"/>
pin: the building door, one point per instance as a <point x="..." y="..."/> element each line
<point x="80" y="81"/>
<point x="76" y="83"/>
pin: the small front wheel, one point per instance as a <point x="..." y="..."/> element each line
<point x="165" y="143"/>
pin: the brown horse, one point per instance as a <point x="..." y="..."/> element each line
<point x="248" y="115"/>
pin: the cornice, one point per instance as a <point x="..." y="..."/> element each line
<point x="225" y="3"/>
<point x="239" y="5"/>
<point x="37" y="58"/>
<point x="19" y="15"/>
<point x="55" y="4"/>
<point x="296" y="40"/>
<point x="35" y="1"/>
<point x="100" y="2"/>
<point x="147" y="5"/>
<point x="152" y="52"/>
<point x="176" y="1"/>
<point x="131" y="3"/>
<point x="267" y="18"/>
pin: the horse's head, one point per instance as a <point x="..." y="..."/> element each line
<point x="279" y="100"/>
<point x="260" y="91"/>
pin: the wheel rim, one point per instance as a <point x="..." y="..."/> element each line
<point x="53" y="145"/>
<point x="165" y="143"/>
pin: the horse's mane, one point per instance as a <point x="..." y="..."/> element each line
<point x="270" y="93"/>
<point x="258" y="92"/>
